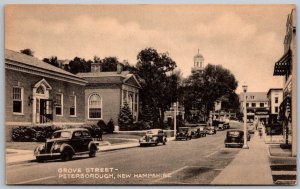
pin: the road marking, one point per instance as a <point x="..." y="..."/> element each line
<point x="172" y="173"/>
<point x="219" y="148"/>
<point x="34" y="180"/>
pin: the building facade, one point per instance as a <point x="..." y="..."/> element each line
<point x="38" y="93"/>
<point x="286" y="67"/>
<point x="107" y="92"/>
<point x="257" y="105"/>
<point x="275" y="97"/>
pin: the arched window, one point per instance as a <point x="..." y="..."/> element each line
<point x="95" y="106"/>
<point x="40" y="90"/>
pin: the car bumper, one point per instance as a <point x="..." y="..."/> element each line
<point x="233" y="144"/>
<point x="181" y="137"/>
<point x="37" y="154"/>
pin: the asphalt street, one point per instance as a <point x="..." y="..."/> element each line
<point x="196" y="161"/>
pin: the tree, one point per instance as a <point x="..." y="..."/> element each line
<point x="78" y="65"/>
<point x="125" y="119"/>
<point x="202" y="89"/>
<point x="109" y="64"/>
<point x="27" y="51"/>
<point x="52" y="60"/>
<point x="154" y="71"/>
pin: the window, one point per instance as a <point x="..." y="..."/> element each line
<point x="276" y="100"/>
<point x="59" y="104"/>
<point x="276" y="109"/>
<point x="17" y="100"/>
<point x="95" y="106"/>
<point x="73" y="106"/>
<point x="261" y="105"/>
<point x="247" y="104"/>
<point x="253" y="104"/>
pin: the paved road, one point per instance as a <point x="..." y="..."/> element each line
<point x="197" y="161"/>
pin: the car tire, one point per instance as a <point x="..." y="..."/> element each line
<point x="92" y="153"/>
<point x="141" y="145"/>
<point x="40" y="159"/>
<point x="66" y="155"/>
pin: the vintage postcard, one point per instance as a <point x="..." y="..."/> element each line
<point x="150" y="94"/>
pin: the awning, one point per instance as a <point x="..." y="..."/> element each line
<point x="283" y="64"/>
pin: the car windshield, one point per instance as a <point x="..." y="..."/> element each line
<point x="234" y="134"/>
<point x="62" y="134"/>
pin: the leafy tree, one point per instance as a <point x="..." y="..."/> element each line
<point x="125" y="117"/>
<point x="202" y="89"/>
<point x="154" y="71"/>
<point x="52" y="60"/>
<point x="79" y="65"/>
<point x="109" y="64"/>
<point x="27" y="51"/>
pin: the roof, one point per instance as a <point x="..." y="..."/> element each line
<point x="109" y="77"/>
<point x="274" y="89"/>
<point x="33" y="62"/>
<point x="254" y="96"/>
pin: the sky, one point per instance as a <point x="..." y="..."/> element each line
<point x="246" y="39"/>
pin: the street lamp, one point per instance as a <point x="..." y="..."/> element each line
<point x="245" y="146"/>
<point x="175" y="119"/>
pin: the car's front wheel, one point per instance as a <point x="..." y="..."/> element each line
<point x="92" y="153"/>
<point x="40" y="159"/>
<point x="66" y="155"/>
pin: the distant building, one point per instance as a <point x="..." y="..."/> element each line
<point x="198" y="62"/>
<point x="285" y="66"/>
<point x="275" y="97"/>
<point x="107" y="92"/>
<point x="257" y="105"/>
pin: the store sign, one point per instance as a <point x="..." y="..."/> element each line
<point x="262" y="112"/>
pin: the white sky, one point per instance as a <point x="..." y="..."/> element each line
<point x="246" y="39"/>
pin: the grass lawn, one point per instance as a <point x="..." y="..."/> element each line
<point x="111" y="138"/>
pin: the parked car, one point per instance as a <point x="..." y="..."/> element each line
<point x="200" y="132"/>
<point x="221" y="126"/>
<point x="66" y="143"/>
<point x="184" y="133"/>
<point x="211" y="130"/>
<point x="234" y="138"/>
<point x="153" y="136"/>
<point x="226" y="124"/>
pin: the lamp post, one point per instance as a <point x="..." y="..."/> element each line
<point x="175" y="104"/>
<point x="245" y="146"/>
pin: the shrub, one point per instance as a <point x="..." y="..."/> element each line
<point x="110" y="126"/>
<point x="102" y="125"/>
<point x="125" y="118"/>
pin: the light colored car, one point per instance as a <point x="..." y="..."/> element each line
<point x="153" y="136"/>
<point x="184" y="133"/>
<point x="211" y="130"/>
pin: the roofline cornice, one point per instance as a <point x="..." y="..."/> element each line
<point x="19" y="66"/>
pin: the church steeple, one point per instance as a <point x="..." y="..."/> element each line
<point x="198" y="62"/>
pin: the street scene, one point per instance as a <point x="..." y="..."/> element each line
<point x="150" y="95"/>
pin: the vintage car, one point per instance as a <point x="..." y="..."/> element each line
<point x="66" y="143"/>
<point x="235" y="138"/>
<point x="211" y="130"/>
<point x="153" y="136"/>
<point x="184" y="133"/>
<point x="226" y="124"/>
<point x="199" y="132"/>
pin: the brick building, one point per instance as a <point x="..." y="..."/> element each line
<point x="106" y="93"/>
<point x="38" y="93"/>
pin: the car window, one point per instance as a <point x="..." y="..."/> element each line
<point x="77" y="134"/>
<point x="86" y="134"/>
<point x="62" y="134"/>
<point x="234" y="134"/>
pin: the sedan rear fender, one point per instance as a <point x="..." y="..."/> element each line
<point x="64" y="147"/>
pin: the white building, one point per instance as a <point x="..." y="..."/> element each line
<point x="275" y="96"/>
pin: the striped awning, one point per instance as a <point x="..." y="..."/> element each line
<point x="283" y="65"/>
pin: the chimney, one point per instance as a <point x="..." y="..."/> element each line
<point x="119" y="68"/>
<point x="96" y="67"/>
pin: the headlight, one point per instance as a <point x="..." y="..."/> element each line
<point x="41" y="147"/>
<point x="56" y="146"/>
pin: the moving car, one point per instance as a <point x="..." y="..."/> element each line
<point x="66" y="143"/>
<point x="234" y="138"/>
<point x="211" y="130"/>
<point x="200" y="132"/>
<point x="184" y="133"/>
<point x="153" y="136"/>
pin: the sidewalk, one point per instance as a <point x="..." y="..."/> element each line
<point x="250" y="166"/>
